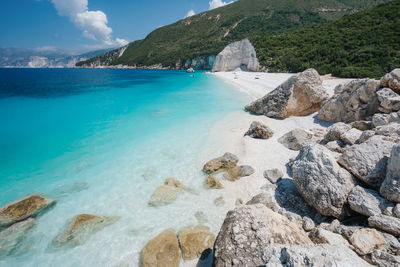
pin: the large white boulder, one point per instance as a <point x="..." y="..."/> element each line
<point x="321" y="181"/>
<point x="351" y="102"/>
<point x="238" y="55"/>
<point x="300" y="95"/>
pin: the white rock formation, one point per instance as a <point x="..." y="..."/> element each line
<point x="238" y="55"/>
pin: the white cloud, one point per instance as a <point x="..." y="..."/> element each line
<point x="218" y="3"/>
<point x="92" y="23"/>
<point x="190" y="13"/>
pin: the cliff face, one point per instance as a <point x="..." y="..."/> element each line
<point x="238" y="55"/>
<point x="103" y="60"/>
<point x="199" y="63"/>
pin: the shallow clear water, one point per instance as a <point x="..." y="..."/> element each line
<point x="100" y="142"/>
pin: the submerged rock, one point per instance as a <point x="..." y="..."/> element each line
<point x="300" y="95"/>
<point x="367" y="161"/>
<point x="259" y="130"/>
<point x="13" y="235"/>
<point x="392" y="80"/>
<point x="201" y="217"/>
<point x="351" y="102"/>
<point x="163" y="250"/>
<point x="390" y="188"/>
<point x="295" y="138"/>
<point x="365" y="241"/>
<point x="250" y="228"/>
<point x="238" y="172"/>
<point x="367" y="202"/>
<point x="194" y="240"/>
<point x="81" y="228"/>
<point x="213" y="183"/>
<point x="237" y="55"/>
<point x="227" y="161"/>
<point x="321" y="181"/>
<point x="219" y="201"/>
<point x="174" y="183"/>
<point x="166" y="193"/>
<point x="19" y="210"/>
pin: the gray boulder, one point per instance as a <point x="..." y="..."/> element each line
<point x="298" y="96"/>
<point x="389" y="100"/>
<point x="315" y="255"/>
<point x="351" y="102"/>
<point x="259" y="130"/>
<point x="350" y="137"/>
<point x="273" y="175"/>
<point x="321" y="181"/>
<point x="367" y="161"/>
<point x="13" y="235"/>
<point x="248" y="229"/>
<point x="386" y="223"/>
<point x="237" y="55"/>
<point x="322" y="236"/>
<point x="392" y="80"/>
<point x="295" y="138"/>
<point x="381" y="119"/>
<point x="366" y="240"/>
<point x="381" y="258"/>
<point x="365" y="136"/>
<point x="362" y="125"/>
<point x="335" y="146"/>
<point x="335" y="131"/>
<point x="285" y="199"/>
<point x="390" y="188"/>
<point x="390" y="130"/>
<point x="367" y="201"/>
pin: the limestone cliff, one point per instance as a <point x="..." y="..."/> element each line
<point x="238" y="55"/>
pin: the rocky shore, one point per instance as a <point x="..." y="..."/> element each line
<point x="311" y="175"/>
<point x="336" y="202"/>
<point x="338" y="205"/>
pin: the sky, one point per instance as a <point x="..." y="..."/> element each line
<point x="83" y="25"/>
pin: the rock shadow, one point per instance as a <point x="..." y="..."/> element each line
<point x="288" y="197"/>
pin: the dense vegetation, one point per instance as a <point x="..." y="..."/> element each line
<point x="209" y="32"/>
<point x="364" y="44"/>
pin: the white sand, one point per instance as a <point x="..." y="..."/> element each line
<point x="228" y="136"/>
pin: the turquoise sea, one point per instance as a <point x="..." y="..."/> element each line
<point x="100" y="142"/>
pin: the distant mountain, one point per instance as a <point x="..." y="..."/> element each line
<point x="194" y="41"/>
<point x="365" y="44"/>
<point x="42" y="58"/>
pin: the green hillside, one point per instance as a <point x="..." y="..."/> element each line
<point x="209" y="32"/>
<point x="365" y="44"/>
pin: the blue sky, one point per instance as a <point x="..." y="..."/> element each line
<point x="88" y="24"/>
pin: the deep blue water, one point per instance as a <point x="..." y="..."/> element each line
<point x="99" y="141"/>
